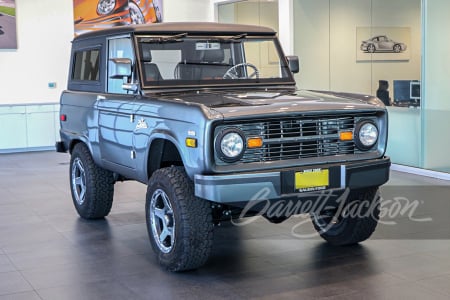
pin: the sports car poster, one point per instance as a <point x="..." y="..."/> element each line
<point x="383" y="43"/>
<point x="99" y="14"/>
<point x="8" y="32"/>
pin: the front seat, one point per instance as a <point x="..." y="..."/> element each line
<point x="213" y="66"/>
<point x="151" y="70"/>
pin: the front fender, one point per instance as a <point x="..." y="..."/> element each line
<point x="189" y="156"/>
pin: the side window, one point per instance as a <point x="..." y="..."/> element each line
<point x="86" y="65"/>
<point x="118" y="48"/>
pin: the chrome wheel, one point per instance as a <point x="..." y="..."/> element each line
<point x="105" y="7"/>
<point x="397" y="48"/>
<point x="162" y="221"/>
<point x="371" y="48"/>
<point x="136" y="15"/>
<point x="78" y="181"/>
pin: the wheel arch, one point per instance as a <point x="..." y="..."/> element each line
<point x="163" y="152"/>
<point x="76" y="141"/>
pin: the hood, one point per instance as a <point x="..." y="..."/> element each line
<point x="244" y="103"/>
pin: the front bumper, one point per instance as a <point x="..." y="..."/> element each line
<point x="277" y="184"/>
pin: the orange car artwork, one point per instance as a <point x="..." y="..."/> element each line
<point x="99" y="14"/>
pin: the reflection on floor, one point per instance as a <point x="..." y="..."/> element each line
<point x="48" y="252"/>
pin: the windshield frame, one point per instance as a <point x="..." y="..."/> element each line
<point x="287" y="80"/>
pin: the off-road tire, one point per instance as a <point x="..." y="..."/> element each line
<point x="192" y="224"/>
<point x="353" y="228"/>
<point x="98" y="185"/>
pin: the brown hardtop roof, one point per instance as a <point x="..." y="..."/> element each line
<point x="173" y="28"/>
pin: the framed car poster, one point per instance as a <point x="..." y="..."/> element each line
<point x="8" y="29"/>
<point x="383" y="43"/>
<point x="99" y="14"/>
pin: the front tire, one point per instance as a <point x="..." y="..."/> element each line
<point x="92" y="187"/>
<point x="355" y="223"/>
<point x="371" y="48"/>
<point x="179" y="225"/>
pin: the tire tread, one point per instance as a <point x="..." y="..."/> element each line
<point x="196" y="218"/>
<point x="357" y="229"/>
<point x="99" y="186"/>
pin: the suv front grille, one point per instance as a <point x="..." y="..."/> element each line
<point x="299" y="137"/>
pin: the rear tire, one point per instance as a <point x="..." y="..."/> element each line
<point x="92" y="187"/>
<point x="397" y="48"/>
<point x="356" y="226"/>
<point x="179" y="225"/>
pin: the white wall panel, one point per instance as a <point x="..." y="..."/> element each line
<point x="28" y="127"/>
<point x="13" y="127"/>
<point x="44" y="32"/>
<point x="312" y="43"/>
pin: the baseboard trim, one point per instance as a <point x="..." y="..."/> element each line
<point x="28" y="149"/>
<point x="421" y="172"/>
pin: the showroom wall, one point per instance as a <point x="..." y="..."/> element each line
<point x="325" y="40"/>
<point x="44" y="32"/>
<point x="28" y="106"/>
<point x="436" y="83"/>
<point x="276" y="14"/>
<point x="252" y="13"/>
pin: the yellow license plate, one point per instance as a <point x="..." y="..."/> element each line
<point x="312" y="179"/>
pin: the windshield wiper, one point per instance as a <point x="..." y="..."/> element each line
<point x="173" y="38"/>
<point x="236" y="37"/>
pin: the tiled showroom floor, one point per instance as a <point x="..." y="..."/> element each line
<point x="48" y="252"/>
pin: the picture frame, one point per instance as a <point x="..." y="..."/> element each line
<point x="90" y="15"/>
<point x="8" y="25"/>
<point x="383" y="43"/>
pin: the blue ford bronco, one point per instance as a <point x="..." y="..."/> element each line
<point x="208" y="116"/>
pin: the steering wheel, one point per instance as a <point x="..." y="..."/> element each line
<point x="232" y="73"/>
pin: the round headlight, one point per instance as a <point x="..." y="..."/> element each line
<point x="105" y="7"/>
<point x="230" y="145"/>
<point x="366" y="135"/>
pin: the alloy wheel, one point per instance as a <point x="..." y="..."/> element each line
<point x="79" y="181"/>
<point x="162" y="221"/>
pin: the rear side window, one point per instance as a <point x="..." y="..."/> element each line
<point x="86" y="65"/>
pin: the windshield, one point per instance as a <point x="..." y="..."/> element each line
<point x="186" y="61"/>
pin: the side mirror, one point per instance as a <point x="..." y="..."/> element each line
<point x="121" y="68"/>
<point x="294" y="64"/>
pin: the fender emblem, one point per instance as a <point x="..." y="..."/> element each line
<point x="141" y="124"/>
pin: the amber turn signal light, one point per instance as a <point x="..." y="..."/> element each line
<point x="346" y="136"/>
<point x="191" y="142"/>
<point x="254" y="142"/>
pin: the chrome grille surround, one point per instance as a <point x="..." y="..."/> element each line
<point x="299" y="137"/>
